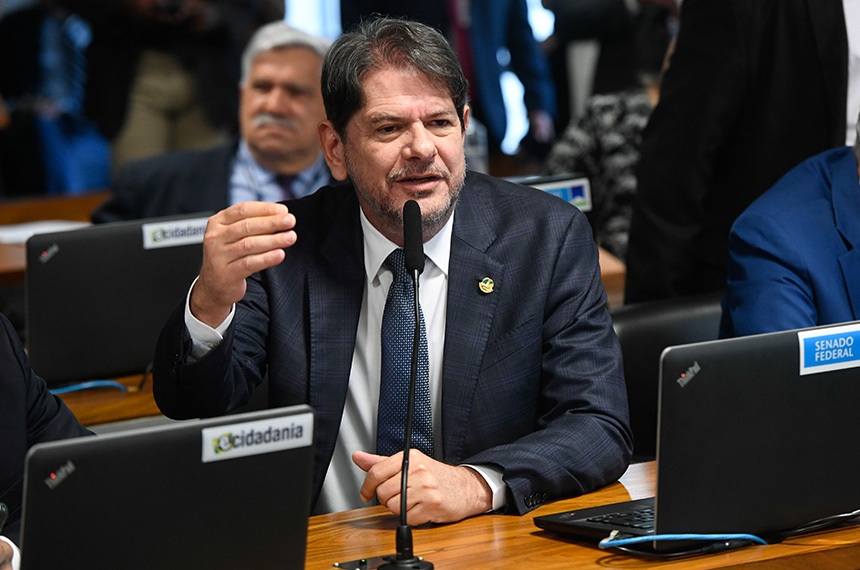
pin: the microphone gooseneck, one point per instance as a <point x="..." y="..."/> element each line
<point x="413" y="253"/>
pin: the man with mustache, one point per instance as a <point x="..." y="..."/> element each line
<point x="522" y="397"/>
<point x="277" y="158"/>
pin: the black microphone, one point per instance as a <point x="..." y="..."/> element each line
<point x="413" y="253"/>
<point x="413" y="239"/>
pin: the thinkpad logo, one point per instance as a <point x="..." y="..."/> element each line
<point x="691" y="372"/>
<point x="57" y="477"/>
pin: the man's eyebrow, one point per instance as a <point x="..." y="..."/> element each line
<point x="388" y="117"/>
<point x="384" y="118"/>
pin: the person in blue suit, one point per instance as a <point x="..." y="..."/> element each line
<point x="794" y="254"/>
<point x="527" y="394"/>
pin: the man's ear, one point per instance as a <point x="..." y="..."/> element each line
<point x="332" y="147"/>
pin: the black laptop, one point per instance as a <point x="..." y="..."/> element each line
<point x="572" y="187"/>
<point x="97" y="297"/>
<point x="756" y="434"/>
<point x="220" y="494"/>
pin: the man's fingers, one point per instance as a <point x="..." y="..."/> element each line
<point x="251" y="263"/>
<point x="381" y="474"/>
<point x="365" y="460"/>
<point x="230" y="233"/>
<point x="253" y="245"/>
<point x="242" y="210"/>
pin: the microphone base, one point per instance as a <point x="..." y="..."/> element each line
<point x="413" y="563"/>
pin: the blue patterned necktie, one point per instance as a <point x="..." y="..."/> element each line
<point x="398" y="330"/>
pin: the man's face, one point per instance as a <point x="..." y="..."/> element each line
<point x="280" y="107"/>
<point x="406" y="143"/>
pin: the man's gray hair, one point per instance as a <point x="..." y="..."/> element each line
<point x="279" y="35"/>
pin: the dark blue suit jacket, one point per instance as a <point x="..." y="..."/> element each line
<point x="175" y="183"/>
<point x="532" y="378"/>
<point x="29" y="414"/>
<point x="794" y="257"/>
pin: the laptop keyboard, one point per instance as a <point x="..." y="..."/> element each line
<point x="641" y="518"/>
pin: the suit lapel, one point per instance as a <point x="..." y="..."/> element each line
<point x="334" y="297"/>
<point x="831" y="40"/>
<point x="469" y="317"/>
<point x="846" y="203"/>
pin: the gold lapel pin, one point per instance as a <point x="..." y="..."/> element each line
<point x="486" y="285"/>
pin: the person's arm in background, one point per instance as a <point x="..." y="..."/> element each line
<point x="769" y="283"/>
<point x="701" y="96"/>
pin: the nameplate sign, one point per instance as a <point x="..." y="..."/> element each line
<point x="829" y="349"/>
<point x="257" y="437"/>
<point x="173" y="233"/>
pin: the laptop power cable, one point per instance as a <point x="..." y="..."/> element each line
<point x="714" y="543"/>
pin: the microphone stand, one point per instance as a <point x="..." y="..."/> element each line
<point x="405" y="559"/>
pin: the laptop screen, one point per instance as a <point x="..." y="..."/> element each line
<point x="97" y="297"/>
<point x="223" y="493"/>
<point x="756" y="435"/>
<point x="752" y="440"/>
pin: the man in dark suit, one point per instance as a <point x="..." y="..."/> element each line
<point x="278" y="156"/>
<point x="754" y="87"/>
<point x="29" y="414"/>
<point x="527" y="396"/>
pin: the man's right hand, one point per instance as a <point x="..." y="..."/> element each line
<point x="241" y="240"/>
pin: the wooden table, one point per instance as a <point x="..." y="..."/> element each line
<point x="13" y="263"/>
<point x="501" y="541"/>
<point x="613" y="275"/>
<point x="104" y="405"/>
<point x="33" y="209"/>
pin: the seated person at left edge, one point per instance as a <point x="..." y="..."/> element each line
<point x="526" y="390"/>
<point x="29" y="414"/>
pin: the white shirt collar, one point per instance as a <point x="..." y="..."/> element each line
<point x="377" y="247"/>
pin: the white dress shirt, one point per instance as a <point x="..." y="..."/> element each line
<point x="251" y="182"/>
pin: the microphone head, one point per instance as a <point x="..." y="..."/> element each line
<point x="413" y="238"/>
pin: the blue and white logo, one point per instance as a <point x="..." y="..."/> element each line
<point x="829" y="349"/>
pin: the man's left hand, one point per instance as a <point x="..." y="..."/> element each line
<point x="437" y="492"/>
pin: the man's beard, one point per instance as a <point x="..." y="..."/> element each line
<point x="385" y="207"/>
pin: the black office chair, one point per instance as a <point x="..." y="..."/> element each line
<point x="644" y="330"/>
